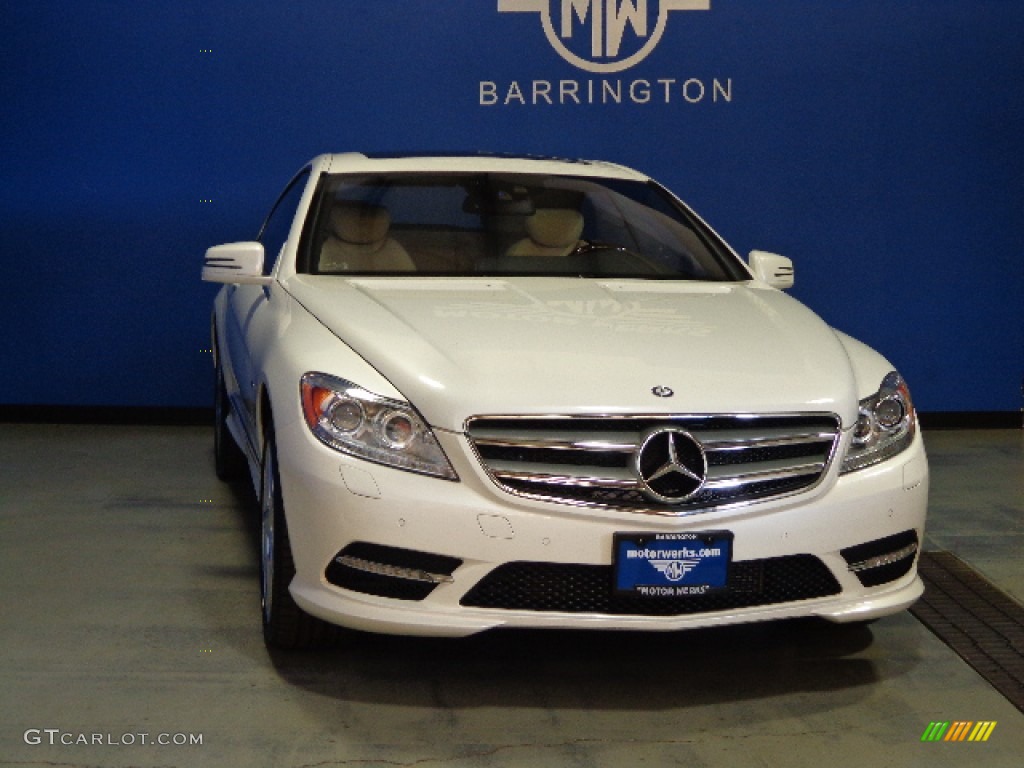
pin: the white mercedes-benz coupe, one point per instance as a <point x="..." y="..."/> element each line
<point x="487" y="391"/>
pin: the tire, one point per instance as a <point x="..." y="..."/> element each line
<point x="285" y="625"/>
<point x="228" y="459"/>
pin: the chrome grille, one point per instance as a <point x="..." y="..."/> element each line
<point x="589" y="460"/>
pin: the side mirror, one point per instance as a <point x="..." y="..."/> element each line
<point x="770" y="268"/>
<point x="235" y="263"/>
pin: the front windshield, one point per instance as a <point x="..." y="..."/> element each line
<point x="502" y="224"/>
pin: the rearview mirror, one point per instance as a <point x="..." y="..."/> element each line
<point x="770" y="268"/>
<point x="235" y="263"/>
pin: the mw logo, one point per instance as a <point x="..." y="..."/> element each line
<point x="602" y="50"/>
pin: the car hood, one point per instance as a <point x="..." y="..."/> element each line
<point x="474" y="346"/>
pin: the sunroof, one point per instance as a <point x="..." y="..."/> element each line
<point x="474" y="153"/>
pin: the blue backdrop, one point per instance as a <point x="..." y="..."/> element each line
<point x="879" y="144"/>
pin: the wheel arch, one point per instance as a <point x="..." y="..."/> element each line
<point x="264" y="415"/>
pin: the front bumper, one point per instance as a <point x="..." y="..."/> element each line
<point x="332" y="501"/>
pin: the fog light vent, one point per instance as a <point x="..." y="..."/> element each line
<point x="403" y="574"/>
<point x="414" y="574"/>
<point x="883" y="560"/>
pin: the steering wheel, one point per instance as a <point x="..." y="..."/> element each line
<point x="628" y="257"/>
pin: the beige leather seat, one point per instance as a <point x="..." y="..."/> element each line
<point x="552" y="232"/>
<point x="359" y="241"/>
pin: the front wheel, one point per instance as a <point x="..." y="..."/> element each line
<point x="285" y="625"/>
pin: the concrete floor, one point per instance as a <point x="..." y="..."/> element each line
<point x="128" y="597"/>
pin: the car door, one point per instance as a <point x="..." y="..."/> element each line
<point x="246" y="302"/>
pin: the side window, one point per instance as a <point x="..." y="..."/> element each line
<point x="274" y="232"/>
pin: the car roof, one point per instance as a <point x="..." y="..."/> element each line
<point x="469" y="162"/>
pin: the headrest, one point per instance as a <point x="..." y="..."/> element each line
<point x="555" y="227"/>
<point x="359" y="223"/>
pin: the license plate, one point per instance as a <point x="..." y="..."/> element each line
<point x="672" y="564"/>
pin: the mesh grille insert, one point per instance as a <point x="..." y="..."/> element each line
<point x="569" y="588"/>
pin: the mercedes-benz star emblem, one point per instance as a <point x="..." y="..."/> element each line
<point x="671" y="465"/>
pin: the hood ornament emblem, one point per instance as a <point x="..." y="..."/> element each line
<point x="661" y="391"/>
<point x="670" y="465"/>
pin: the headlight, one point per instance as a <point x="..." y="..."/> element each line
<point x="885" y="427"/>
<point x="352" y="420"/>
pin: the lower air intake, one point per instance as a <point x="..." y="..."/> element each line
<point x="403" y="574"/>
<point x="883" y="560"/>
<point x="568" y="588"/>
